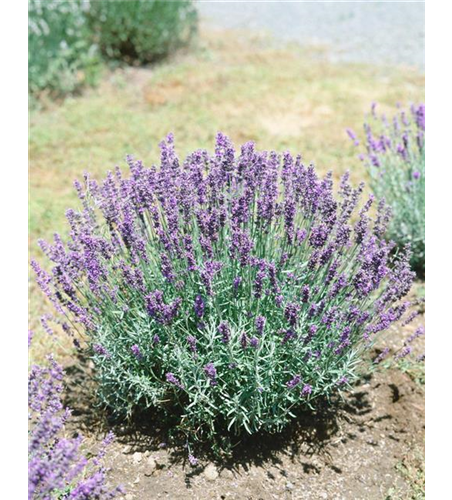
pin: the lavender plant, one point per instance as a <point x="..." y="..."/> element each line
<point x="395" y="159"/>
<point x="56" y="467"/>
<point x="229" y="289"/>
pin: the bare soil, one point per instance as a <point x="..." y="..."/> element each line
<point x="357" y="448"/>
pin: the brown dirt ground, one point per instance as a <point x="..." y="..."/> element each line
<point x="368" y="445"/>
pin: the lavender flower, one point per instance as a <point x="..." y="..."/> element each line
<point x="136" y="352"/>
<point x="162" y="312"/>
<point x="258" y="284"/>
<point x="291" y="313"/>
<point x="199" y="306"/>
<point x="353" y="136"/>
<point x="44" y="322"/>
<point x="192" y="343"/>
<point x="410" y="318"/>
<point x="419" y="332"/>
<point x="254" y="342"/>
<point x="381" y="356"/>
<point x="294" y="382"/>
<point x="311" y="333"/>
<point x="307" y="389"/>
<point x="167" y="268"/>
<point x="403" y="353"/>
<point x="171" y="378"/>
<point x="260" y="324"/>
<point x="305" y="293"/>
<point x="224" y="331"/>
<point x="100" y="349"/>
<point x="289" y="334"/>
<point x="211" y="373"/>
<point x="236" y="283"/>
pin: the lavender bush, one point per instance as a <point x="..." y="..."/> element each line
<point x="56" y="467"/>
<point x="395" y="158"/>
<point x="228" y="288"/>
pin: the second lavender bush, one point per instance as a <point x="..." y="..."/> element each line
<point x="395" y="159"/>
<point x="230" y="288"/>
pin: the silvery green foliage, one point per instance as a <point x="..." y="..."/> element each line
<point x="228" y="289"/>
<point x="395" y="158"/>
<point x="61" y="55"/>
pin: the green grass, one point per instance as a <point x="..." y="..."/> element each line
<point x="281" y="98"/>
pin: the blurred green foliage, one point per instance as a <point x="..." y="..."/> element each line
<point x="141" y="31"/>
<point x="66" y="38"/>
<point x="61" y="55"/>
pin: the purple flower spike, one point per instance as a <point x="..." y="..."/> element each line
<point x="211" y="373"/>
<point x="403" y="353"/>
<point x="199" y="306"/>
<point x="100" y="349"/>
<point x="353" y="136"/>
<point x="260" y="324"/>
<point x="311" y="333"/>
<point x="192" y="343"/>
<point x="136" y="352"/>
<point x="291" y="313"/>
<point x="171" y="378"/>
<point x="307" y="389"/>
<point x="289" y="335"/>
<point x="224" y="331"/>
<point x="381" y="356"/>
<point x="305" y="293"/>
<point x="294" y="382"/>
<point x="419" y="332"/>
<point x="163" y="313"/>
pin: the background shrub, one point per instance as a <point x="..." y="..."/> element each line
<point x="61" y="56"/>
<point x="141" y="31"/>
<point x="56" y="466"/>
<point x="227" y="289"/>
<point x="395" y="159"/>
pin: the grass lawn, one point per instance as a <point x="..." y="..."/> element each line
<point x="281" y="98"/>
